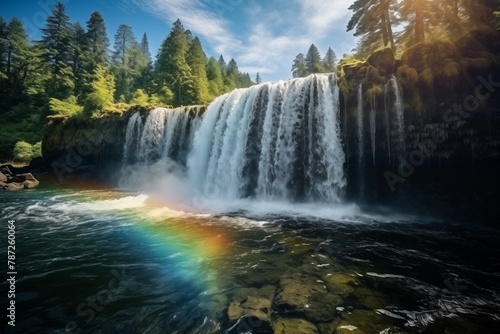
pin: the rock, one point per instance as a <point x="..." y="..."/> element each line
<point x="250" y="325"/>
<point x="383" y="60"/>
<point x="11" y="182"/>
<point x="305" y="296"/>
<point x="293" y="326"/>
<point x="11" y="186"/>
<point x="362" y="321"/>
<point x="4" y="169"/>
<point x="370" y="298"/>
<point x="351" y="71"/>
<point x="341" y="284"/>
<point x="259" y="308"/>
<point x="252" y="303"/>
<point x="430" y="55"/>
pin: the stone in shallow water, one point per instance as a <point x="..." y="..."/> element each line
<point x="342" y="284"/>
<point x="371" y="299"/>
<point x="293" y="326"/>
<point x="307" y="297"/>
<point x="251" y="306"/>
<point x="363" y="321"/>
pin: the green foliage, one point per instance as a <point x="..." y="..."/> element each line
<point x="329" y="61"/>
<point x="57" y="45"/>
<point x="196" y="60"/>
<point x="214" y="76"/>
<point x="313" y="60"/>
<point x="372" y="21"/>
<point x="140" y="98"/>
<point x="23" y="152"/>
<point x="103" y="88"/>
<point x="67" y="107"/>
<point x="172" y="68"/>
<point x="37" y="150"/>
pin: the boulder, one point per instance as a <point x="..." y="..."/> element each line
<point x="12" y="182"/>
<point x="383" y="60"/>
<point x="293" y="326"/>
<point x="306" y="297"/>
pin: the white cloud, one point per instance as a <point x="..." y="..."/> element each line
<point x="196" y="17"/>
<point x="319" y="16"/>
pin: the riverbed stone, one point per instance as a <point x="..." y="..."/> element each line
<point x="370" y="298"/>
<point x="293" y="326"/>
<point x="307" y="297"/>
<point x="259" y="308"/>
<point x="340" y="283"/>
<point x="360" y="322"/>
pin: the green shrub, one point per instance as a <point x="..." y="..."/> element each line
<point x="23" y="151"/>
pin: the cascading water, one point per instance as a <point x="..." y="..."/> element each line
<point x="360" y="123"/>
<point x="166" y="133"/>
<point x="272" y="141"/>
<point x="373" y="126"/>
<point x="132" y="139"/>
<point x="398" y="109"/>
<point x="386" y="120"/>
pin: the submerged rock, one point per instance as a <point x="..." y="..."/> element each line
<point x="307" y="297"/>
<point x="293" y="326"/>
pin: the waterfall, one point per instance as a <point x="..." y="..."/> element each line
<point x="398" y="109"/>
<point x="360" y="123"/>
<point x="132" y="139"/>
<point x="277" y="141"/>
<point x="386" y="119"/>
<point x="166" y="133"/>
<point x="373" y="126"/>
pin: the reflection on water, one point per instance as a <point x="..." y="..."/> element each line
<point x="111" y="262"/>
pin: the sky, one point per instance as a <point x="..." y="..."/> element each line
<point x="261" y="35"/>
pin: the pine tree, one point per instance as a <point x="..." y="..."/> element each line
<point x="196" y="60"/>
<point x="80" y="60"/>
<point x="222" y="65"/>
<point x="258" y="80"/>
<point x="16" y="59"/>
<point x="372" y="20"/>
<point x="4" y="46"/>
<point x="214" y="76"/>
<point x="299" y="66"/>
<point x="124" y="41"/>
<point x="313" y="60"/>
<point x="244" y="80"/>
<point x="172" y="69"/>
<point x="231" y="79"/>
<point x="329" y="60"/>
<point x="97" y="40"/>
<point x="145" y="47"/>
<point x="57" y="46"/>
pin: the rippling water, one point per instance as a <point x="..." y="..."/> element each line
<point x="115" y="262"/>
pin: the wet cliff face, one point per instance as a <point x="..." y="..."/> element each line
<point x="451" y="152"/>
<point x="87" y="150"/>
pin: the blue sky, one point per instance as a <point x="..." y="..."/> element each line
<point x="261" y="35"/>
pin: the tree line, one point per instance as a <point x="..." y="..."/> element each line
<point x="73" y="70"/>
<point x="73" y="64"/>
<point x="313" y="63"/>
